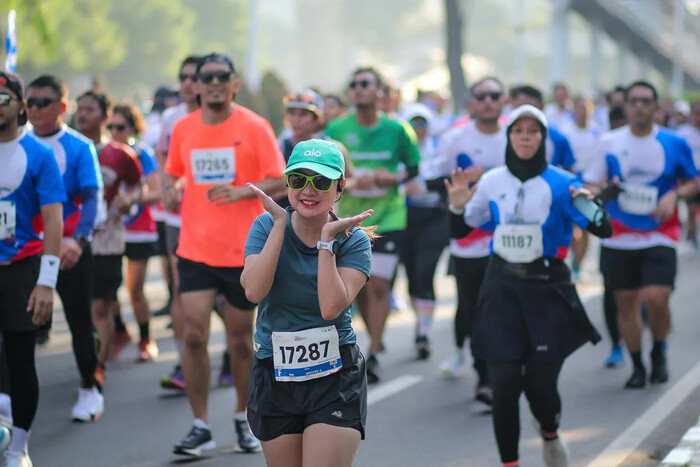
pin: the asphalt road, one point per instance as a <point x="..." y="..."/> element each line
<point x="416" y="418"/>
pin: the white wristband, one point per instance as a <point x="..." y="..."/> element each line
<point x="48" y="274"/>
<point x="455" y="211"/>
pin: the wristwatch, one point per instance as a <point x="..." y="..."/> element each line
<point x="333" y="246"/>
<point x="82" y="240"/>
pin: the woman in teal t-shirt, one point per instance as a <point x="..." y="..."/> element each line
<point x="307" y="400"/>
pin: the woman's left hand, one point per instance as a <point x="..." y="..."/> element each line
<point x="341" y="225"/>
<point x="576" y="192"/>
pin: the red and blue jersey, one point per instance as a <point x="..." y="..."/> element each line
<point x="648" y="167"/>
<point x="29" y="179"/>
<point x="140" y="225"/>
<point x="77" y="161"/>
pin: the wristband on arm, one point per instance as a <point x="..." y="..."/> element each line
<point x="48" y="273"/>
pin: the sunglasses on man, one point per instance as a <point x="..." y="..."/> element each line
<point x="40" y="102"/>
<point x="220" y="76"/>
<point x="481" y="96"/>
<point x="297" y="181"/>
<point x="364" y="84"/>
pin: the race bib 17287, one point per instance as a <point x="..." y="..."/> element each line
<point x="518" y="243"/>
<point x="638" y="199"/>
<point x="210" y="166"/>
<point x="304" y="355"/>
<point x="8" y="219"/>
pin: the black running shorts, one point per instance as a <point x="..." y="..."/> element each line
<point x="633" y="269"/>
<point x="108" y="276"/>
<point x="141" y="251"/>
<point x="196" y="276"/>
<point x="17" y="281"/>
<point x="279" y="408"/>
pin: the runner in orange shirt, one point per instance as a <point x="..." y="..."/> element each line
<point x="217" y="150"/>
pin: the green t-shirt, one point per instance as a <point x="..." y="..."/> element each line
<point x="387" y="145"/>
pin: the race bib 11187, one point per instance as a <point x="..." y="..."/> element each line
<point x="518" y="243"/>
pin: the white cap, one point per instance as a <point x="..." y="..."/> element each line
<point x="411" y="111"/>
<point x="527" y="111"/>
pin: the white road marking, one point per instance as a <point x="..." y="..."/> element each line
<point x="393" y="387"/>
<point x="627" y="442"/>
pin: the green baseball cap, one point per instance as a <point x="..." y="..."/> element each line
<point x="321" y="156"/>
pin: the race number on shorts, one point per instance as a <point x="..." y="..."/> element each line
<point x="518" y="243"/>
<point x="210" y="166"/>
<point x="8" y="219"/>
<point x="304" y="355"/>
<point x="638" y="199"/>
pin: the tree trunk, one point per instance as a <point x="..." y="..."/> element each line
<point x="454" y="32"/>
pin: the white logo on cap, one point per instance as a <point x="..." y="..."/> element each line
<point x="313" y="152"/>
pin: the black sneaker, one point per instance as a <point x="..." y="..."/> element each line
<point x="196" y="441"/>
<point x="484" y="393"/>
<point x="659" y="370"/>
<point x="638" y="379"/>
<point x="422" y="347"/>
<point x="373" y="370"/>
<point x="247" y="442"/>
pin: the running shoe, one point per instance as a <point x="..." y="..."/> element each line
<point x="555" y="453"/>
<point x="373" y="370"/>
<point x="17" y="459"/>
<point x="175" y="380"/>
<point x="615" y="358"/>
<point x="451" y="366"/>
<point x="659" y="369"/>
<point x="119" y="343"/>
<point x="197" y="440"/>
<point x="247" y="442"/>
<point x="483" y="393"/>
<point x="89" y="407"/>
<point x="638" y="379"/>
<point x="148" y="350"/>
<point x="422" y="347"/>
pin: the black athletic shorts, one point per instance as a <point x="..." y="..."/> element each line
<point x="162" y="246"/>
<point x="386" y="251"/>
<point x="633" y="269"/>
<point x="17" y="281"/>
<point x="108" y="276"/>
<point x="141" y="251"/>
<point x="280" y="408"/>
<point x="196" y="276"/>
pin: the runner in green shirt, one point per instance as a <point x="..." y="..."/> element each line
<point x="384" y="154"/>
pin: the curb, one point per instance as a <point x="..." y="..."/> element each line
<point x="687" y="453"/>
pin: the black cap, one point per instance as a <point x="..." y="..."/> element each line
<point x="14" y="83"/>
<point x="216" y="58"/>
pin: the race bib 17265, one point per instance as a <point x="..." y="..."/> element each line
<point x="211" y="166"/>
<point x="518" y="243"/>
<point x="8" y="219"/>
<point x="304" y="355"/>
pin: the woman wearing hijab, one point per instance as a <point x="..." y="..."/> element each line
<point x="529" y="317"/>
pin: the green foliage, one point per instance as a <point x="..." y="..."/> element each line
<point x="272" y="91"/>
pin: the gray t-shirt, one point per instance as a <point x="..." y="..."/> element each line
<point x="292" y="303"/>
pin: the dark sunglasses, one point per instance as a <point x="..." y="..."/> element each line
<point x="221" y="77"/>
<point x="645" y="101"/>
<point x="114" y="126"/>
<point x="481" y="97"/>
<point x="297" y="181"/>
<point x="184" y="77"/>
<point x="419" y="123"/>
<point x="364" y="84"/>
<point x="40" y="102"/>
<point x="6" y="98"/>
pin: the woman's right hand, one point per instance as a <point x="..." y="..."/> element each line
<point x="458" y="190"/>
<point x="277" y="211"/>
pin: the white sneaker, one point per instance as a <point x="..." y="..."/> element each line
<point x="450" y="367"/>
<point x="17" y="459"/>
<point x="89" y="406"/>
<point x="556" y="454"/>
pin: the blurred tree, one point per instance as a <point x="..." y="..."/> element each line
<point x="219" y="26"/>
<point x="272" y="91"/>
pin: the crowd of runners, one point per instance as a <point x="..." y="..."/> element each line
<point x="287" y="236"/>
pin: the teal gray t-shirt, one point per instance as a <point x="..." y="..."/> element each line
<point x="292" y="303"/>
